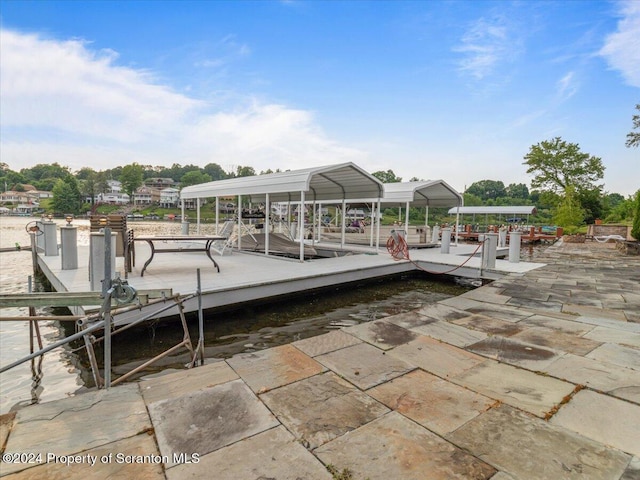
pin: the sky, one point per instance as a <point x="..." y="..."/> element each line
<point x="451" y="90"/>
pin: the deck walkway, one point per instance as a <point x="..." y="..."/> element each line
<point x="534" y="376"/>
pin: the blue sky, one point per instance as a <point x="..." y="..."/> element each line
<point x="452" y="90"/>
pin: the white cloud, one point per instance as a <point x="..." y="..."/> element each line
<point x="622" y="48"/>
<point x="567" y="86"/>
<point x="63" y="102"/>
<point x="485" y="45"/>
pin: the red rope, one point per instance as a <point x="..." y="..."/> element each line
<point x="399" y="250"/>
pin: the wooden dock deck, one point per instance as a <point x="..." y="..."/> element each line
<point x="246" y="277"/>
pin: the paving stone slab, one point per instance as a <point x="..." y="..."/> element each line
<point x="176" y="384"/>
<point x="633" y="470"/>
<point x="540" y="305"/>
<point x="273" y="454"/>
<point x="443" y="311"/>
<point x="604" y="419"/>
<point x="519" y="388"/>
<point x="622" y="325"/>
<point x="436" y="357"/>
<point x="611" y="335"/>
<point x="487" y="295"/>
<point x="529" y="448"/>
<point x="501" y="312"/>
<point x="561" y="325"/>
<point x="6" y="424"/>
<point x="618" y="354"/>
<point x="365" y="365"/>
<point x="556" y="340"/>
<point x="459" y="303"/>
<point x="326" y="343"/>
<point x="382" y="334"/>
<point x="69" y="425"/>
<point x="134" y="457"/>
<point x="489" y="325"/>
<point x="603" y="376"/>
<point x="274" y="367"/>
<point x="515" y="352"/>
<point x="206" y="420"/>
<point x="321" y="408"/>
<point x="451" y="333"/>
<point x="395" y="447"/>
<point x="410" y="319"/>
<point x="593" y="311"/>
<point x="434" y="403"/>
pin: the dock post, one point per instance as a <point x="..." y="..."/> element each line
<point x="69" y="247"/>
<point x="489" y="250"/>
<point x="97" y="249"/>
<point x="514" y="246"/>
<point x="502" y="237"/>
<point x="435" y="234"/>
<point x="446" y="240"/>
<point x="40" y="238"/>
<point x="185" y="227"/>
<point x="50" y="239"/>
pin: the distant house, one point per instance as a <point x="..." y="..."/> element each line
<point x="114" y="186"/>
<point x="169" y="197"/>
<point x="11" y="196"/>
<point x="146" y="196"/>
<point x="160" y="183"/>
<point x="113" y="198"/>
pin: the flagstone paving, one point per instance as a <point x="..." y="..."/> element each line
<point x="535" y="376"/>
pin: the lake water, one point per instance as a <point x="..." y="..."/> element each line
<point x="65" y="371"/>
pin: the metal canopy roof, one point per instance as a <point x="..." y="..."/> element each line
<point x="504" y="210"/>
<point x="345" y="180"/>
<point x="433" y="193"/>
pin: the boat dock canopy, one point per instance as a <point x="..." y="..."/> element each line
<point x="341" y="181"/>
<point x="503" y="210"/>
<point x="431" y="193"/>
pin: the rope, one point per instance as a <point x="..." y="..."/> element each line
<point x="399" y="250"/>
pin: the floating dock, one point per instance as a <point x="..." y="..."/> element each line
<point x="253" y="277"/>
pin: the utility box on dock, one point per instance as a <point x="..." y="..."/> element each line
<point x="69" y="247"/>
<point x="97" y="260"/>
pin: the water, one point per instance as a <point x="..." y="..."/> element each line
<point x="65" y="371"/>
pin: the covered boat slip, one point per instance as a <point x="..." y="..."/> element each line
<point x="247" y="277"/>
<point x="340" y="185"/>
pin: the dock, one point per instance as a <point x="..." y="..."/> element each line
<point x="533" y="376"/>
<point x="254" y="277"/>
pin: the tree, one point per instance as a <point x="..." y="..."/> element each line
<point x="635" y="229"/>
<point x="518" y="190"/>
<point x="569" y="212"/>
<point x="66" y="196"/>
<point x="215" y="171"/>
<point x="194" y="177"/>
<point x="633" y="138"/>
<point x="387" y="177"/>
<point x="557" y="164"/>
<point x="131" y="178"/>
<point x="245" y="171"/>
<point x="486" y="189"/>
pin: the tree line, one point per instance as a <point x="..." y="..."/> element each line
<point x="565" y="185"/>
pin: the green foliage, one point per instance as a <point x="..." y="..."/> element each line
<point x="557" y="164"/>
<point x="569" y="212"/>
<point x="387" y="177"/>
<point x="622" y="211"/>
<point x="471" y="200"/>
<point x="487" y="189"/>
<point x="633" y="138"/>
<point x="635" y="229"/>
<point x="194" y="177"/>
<point x="131" y="177"/>
<point x="66" y="196"/>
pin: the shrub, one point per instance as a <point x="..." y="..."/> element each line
<point x="635" y="229"/>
